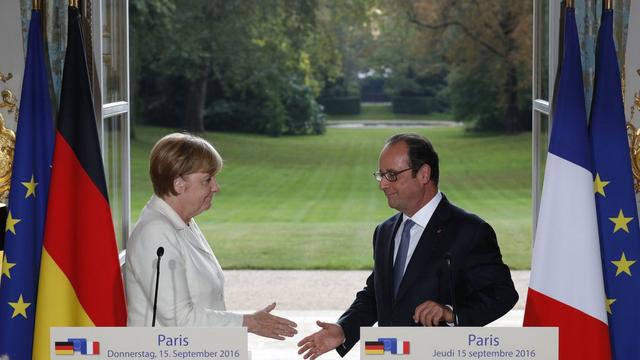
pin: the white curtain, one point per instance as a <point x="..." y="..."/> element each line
<point x="632" y="67"/>
<point x="11" y="58"/>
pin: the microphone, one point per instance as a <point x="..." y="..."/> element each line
<point x="159" y="252"/>
<point x="452" y="293"/>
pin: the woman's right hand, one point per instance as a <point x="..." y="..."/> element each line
<point x="265" y="324"/>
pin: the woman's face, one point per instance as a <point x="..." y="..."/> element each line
<point x="199" y="189"/>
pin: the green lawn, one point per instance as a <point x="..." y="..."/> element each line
<point x="382" y="111"/>
<point x="310" y="202"/>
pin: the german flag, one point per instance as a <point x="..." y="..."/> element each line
<point x="64" y="348"/>
<point x="374" y="348"/>
<point x="80" y="282"/>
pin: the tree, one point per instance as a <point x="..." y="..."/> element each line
<point x="207" y="39"/>
<point x="346" y="30"/>
<point x="146" y="17"/>
<point x="492" y="37"/>
<point x="404" y="55"/>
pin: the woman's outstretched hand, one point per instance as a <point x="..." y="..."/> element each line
<point x="265" y="324"/>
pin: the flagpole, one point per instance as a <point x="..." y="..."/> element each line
<point x="608" y="5"/>
<point x="73" y="3"/>
<point x="569" y="4"/>
<point x="36" y="4"/>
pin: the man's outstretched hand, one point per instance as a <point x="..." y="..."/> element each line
<point x="328" y="338"/>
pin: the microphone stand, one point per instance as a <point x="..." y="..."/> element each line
<point x="452" y="293"/>
<point x="160" y="252"/>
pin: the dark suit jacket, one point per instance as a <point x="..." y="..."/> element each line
<point x="483" y="287"/>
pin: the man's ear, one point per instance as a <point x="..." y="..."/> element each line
<point x="425" y="173"/>
<point x="179" y="185"/>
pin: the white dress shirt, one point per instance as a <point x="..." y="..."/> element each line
<point x="421" y="218"/>
<point x="191" y="289"/>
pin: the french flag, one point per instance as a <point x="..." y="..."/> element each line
<point x="93" y="348"/>
<point x="566" y="289"/>
<point x="404" y="348"/>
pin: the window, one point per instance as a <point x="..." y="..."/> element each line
<point x="110" y="26"/>
<point x="545" y="31"/>
<point x="113" y="143"/>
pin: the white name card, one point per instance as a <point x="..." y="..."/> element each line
<point x="459" y="343"/>
<point x="89" y="343"/>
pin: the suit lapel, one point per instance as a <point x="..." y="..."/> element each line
<point x="425" y="251"/>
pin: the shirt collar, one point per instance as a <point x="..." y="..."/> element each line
<point x="161" y="206"/>
<point x="423" y="215"/>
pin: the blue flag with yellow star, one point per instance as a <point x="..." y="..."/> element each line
<point x="615" y="199"/>
<point x="27" y="203"/>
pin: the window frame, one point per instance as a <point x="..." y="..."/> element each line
<point x="109" y="111"/>
<point x="541" y="106"/>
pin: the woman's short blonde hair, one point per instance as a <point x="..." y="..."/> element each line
<point x="180" y="154"/>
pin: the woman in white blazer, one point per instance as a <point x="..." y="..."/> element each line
<point x="183" y="171"/>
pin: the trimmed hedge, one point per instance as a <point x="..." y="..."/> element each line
<point x="341" y="105"/>
<point x="293" y="111"/>
<point x="416" y="104"/>
<point x="409" y="105"/>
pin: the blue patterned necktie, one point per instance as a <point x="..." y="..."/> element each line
<point x="401" y="257"/>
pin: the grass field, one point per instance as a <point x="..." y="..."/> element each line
<point x="382" y="111"/>
<point x="310" y="202"/>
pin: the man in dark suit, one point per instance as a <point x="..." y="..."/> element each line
<point x="418" y="254"/>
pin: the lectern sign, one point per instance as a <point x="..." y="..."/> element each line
<point x="148" y="343"/>
<point x="460" y="343"/>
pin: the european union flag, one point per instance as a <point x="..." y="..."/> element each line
<point x="615" y="199"/>
<point x="27" y="203"/>
<point x="390" y="345"/>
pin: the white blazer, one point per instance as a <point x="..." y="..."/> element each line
<point x="191" y="289"/>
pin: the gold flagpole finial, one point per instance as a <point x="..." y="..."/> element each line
<point x="608" y="4"/>
<point x="569" y="4"/>
<point x="73" y="3"/>
<point x="36" y="5"/>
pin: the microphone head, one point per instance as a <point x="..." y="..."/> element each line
<point x="160" y="251"/>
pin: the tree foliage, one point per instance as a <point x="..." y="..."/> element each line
<point x="488" y="46"/>
<point x="216" y="57"/>
<point x="259" y="66"/>
<point x="346" y="28"/>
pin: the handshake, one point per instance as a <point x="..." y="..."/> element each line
<point x="330" y="336"/>
<point x="265" y="324"/>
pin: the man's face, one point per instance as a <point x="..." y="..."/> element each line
<point x="407" y="194"/>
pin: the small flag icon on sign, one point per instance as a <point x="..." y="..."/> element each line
<point x="374" y="348"/>
<point x="387" y="345"/>
<point x="64" y="348"/>
<point x="77" y="346"/>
